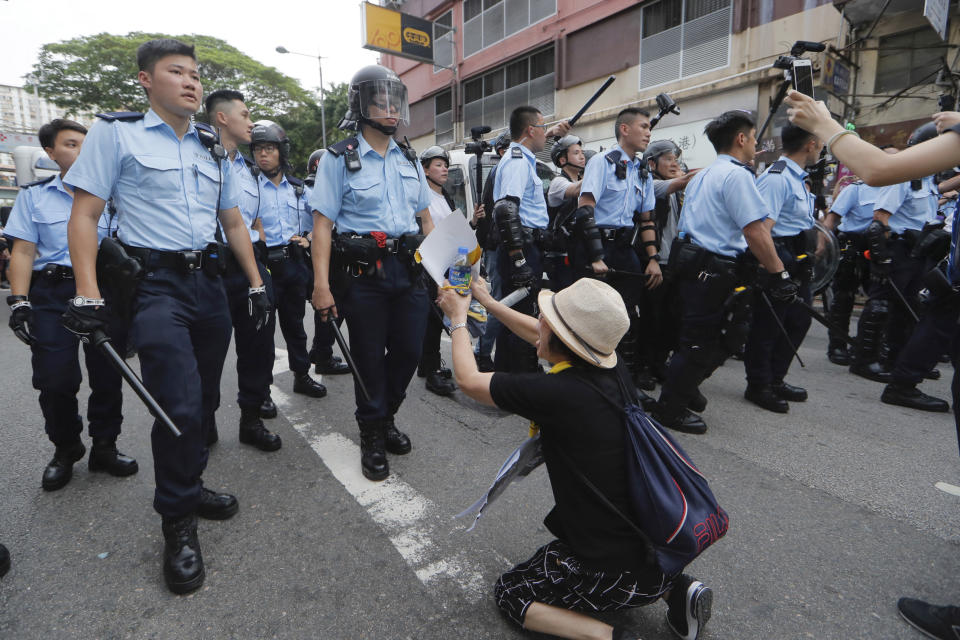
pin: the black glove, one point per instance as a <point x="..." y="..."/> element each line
<point x="258" y="306"/>
<point x="521" y="275"/>
<point x="85" y="319"/>
<point x="781" y="287"/>
<point x="21" y="317"/>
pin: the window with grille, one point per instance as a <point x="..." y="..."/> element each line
<point x="489" y="99"/>
<point x="486" y="22"/>
<point x="908" y="59"/>
<point x="443" y="118"/>
<point x="681" y="38"/>
<point x="443" y="41"/>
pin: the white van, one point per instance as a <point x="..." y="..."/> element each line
<point x="462" y="177"/>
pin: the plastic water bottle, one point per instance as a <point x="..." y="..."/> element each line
<point x="460" y="273"/>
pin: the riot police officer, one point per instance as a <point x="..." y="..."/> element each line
<point x="771" y="345"/>
<point x="167" y="180"/>
<point x="615" y="220"/>
<point x="321" y="350"/>
<point x="283" y="212"/>
<point x="520" y="215"/>
<point x="723" y="215"/>
<point x="661" y="317"/>
<point x="849" y="216"/>
<point x="41" y="280"/>
<point x="255" y="349"/>
<point x="901" y="212"/>
<point x="373" y="191"/>
<point x="562" y="195"/>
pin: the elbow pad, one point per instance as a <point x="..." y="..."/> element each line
<point x="507" y="216"/>
<point x="587" y="226"/>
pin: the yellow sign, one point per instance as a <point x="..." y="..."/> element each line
<point x="397" y="33"/>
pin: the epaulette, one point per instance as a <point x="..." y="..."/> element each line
<point x="746" y="166"/>
<point x="349" y="149"/>
<point x="36" y="183"/>
<point x="620" y="165"/>
<point x="516" y="152"/>
<point x="211" y="140"/>
<point x="778" y="166"/>
<point x="297" y="182"/>
<point x="247" y="161"/>
<point x="408" y="151"/>
<point x="339" y="148"/>
<point x="125" y="116"/>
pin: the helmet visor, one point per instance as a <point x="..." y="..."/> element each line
<point x="384" y="99"/>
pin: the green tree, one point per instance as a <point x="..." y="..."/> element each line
<point x="302" y="125"/>
<point x="99" y="72"/>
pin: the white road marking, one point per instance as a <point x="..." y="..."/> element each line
<point x="948" y="488"/>
<point x="280" y="361"/>
<point x="411" y="521"/>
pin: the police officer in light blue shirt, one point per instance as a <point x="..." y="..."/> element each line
<point x="283" y="214"/>
<point x="170" y="187"/>
<point x="520" y="213"/>
<point x="770" y="348"/>
<point x="723" y="214"/>
<point x="255" y="349"/>
<point x="900" y="213"/>
<point x="372" y="190"/>
<point x="849" y="217"/>
<point x="617" y="197"/>
<point x="41" y="280"/>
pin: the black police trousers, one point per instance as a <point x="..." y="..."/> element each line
<point x="290" y="277"/>
<point x="181" y="328"/>
<point x="906" y="272"/>
<point x="768" y="353"/>
<point x="56" y="368"/>
<point x="932" y="337"/>
<point x="430" y="353"/>
<point x="853" y="273"/>
<point x="255" y="349"/>
<point x="386" y="318"/>
<point x="701" y="349"/>
<point x="514" y="355"/>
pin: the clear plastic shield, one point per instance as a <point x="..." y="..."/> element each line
<point x="384" y="99"/>
<point x="826" y="258"/>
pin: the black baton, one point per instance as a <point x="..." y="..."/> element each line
<point x="101" y="341"/>
<point x="593" y="98"/>
<point x="349" y="358"/>
<point x="819" y="317"/>
<point x="783" y="329"/>
<point x="903" y="298"/>
<point x="617" y="272"/>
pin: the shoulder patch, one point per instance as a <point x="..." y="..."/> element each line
<point x="124" y="116"/>
<point x="516" y="152"/>
<point x="36" y="183"/>
<point x="339" y="148"/>
<point x="778" y="166"/>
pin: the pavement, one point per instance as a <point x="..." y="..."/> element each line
<point x="834" y="514"/>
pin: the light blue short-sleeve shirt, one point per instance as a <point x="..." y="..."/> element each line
<point x="787" y="198"/>
<point x="718" y="203"/>
<point x="282" y="210"/>
<point x="909" y="208"/>
<point x="855" y="205"/>
<point x="248" y="196"/>
<point x="40" y="215"/>
<point x="165" y="189"/>
<point x="616" y="198"/>
<point x="517" y="177"/>
<point x="384" y="195"/>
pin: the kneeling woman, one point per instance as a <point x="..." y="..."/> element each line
<point x="597" y="562"/>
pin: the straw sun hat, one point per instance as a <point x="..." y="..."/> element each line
<point x="589" y="317"/>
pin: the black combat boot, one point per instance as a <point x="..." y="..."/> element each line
<point x="182" y="561"/>
<point x="789" y="392"/>
<point x="439" y="384"/>
<point x="763" y="396"/>
<point x="253" y="432"/>
<point x="678" y="419"/>
<point x="105" y="457"/>
<point x="4" y="561"/>
<point x="907" y="395"/>
<point x="332" y="366"/>
<point x="60" y="469"/>
<point x="837" y="353"/>
<point x="307" y="386"/>
<point x="217" y="506"/>
<point x="268" y="410"/>
<point x="397" y="442"/>
<point x="373" y="455"/>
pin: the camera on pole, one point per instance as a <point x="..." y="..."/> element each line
<point x="478" y="147"/>
<point x="797" y="74"/>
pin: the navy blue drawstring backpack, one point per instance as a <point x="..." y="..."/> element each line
<point x="674" y="510"/>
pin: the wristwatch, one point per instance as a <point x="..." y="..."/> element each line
<point x="83" y="301"/>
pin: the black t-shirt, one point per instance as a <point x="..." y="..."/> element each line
<point x="572" y="416"/>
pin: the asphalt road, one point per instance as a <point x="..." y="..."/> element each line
<point x="834" y="515"/>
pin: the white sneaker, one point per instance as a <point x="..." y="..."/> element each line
<point x="688" y="608"/>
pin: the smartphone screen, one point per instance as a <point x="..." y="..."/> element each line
<point x="803" y="77"/>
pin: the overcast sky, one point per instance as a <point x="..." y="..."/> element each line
<point x="330" y="28"/>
